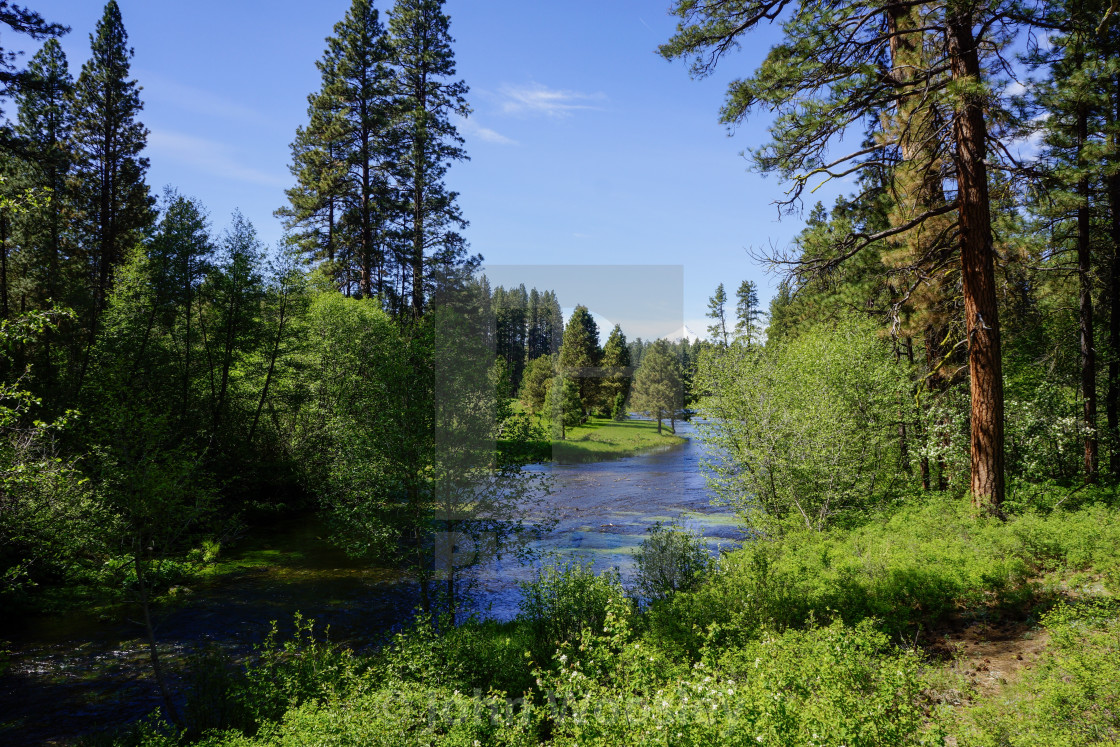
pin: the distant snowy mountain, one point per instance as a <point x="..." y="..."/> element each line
<point x="684" y="333"/>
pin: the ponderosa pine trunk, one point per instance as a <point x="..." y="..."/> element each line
<point x="1112" y="403"/>
<point x="1085" y="298"/>
<point x="977" y="269"/>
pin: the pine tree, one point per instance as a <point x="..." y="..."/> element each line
<point x="428" y="97"/>
<point x="746" y="312"/>
<point x="181" y="252"/>
<point x="315" y="203"/>
<point x="1073" y="110"/>
<point x="617" y="374"/>
<point x="43" y="127"/>
<point x="657" y="384"/>
<point x="718" y="329"/>
<point x="13" y="81"/>
<point x="110" y="187"/>
<point x="564" y="405"/>
<point x="358" y="78"/>
<point x="580" y="356"/>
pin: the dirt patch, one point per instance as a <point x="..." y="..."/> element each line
<point x="990" y="655"/>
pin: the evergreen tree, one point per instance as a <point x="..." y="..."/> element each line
<point x="511" y="323"/>
<point x="617" y="374"/>
<point x="428" y="97"/>
<point x="718" y="329"/>
<point x="580" y="356"/>
<point x="232" y="329"/>
<point x="14" y="81"/>
<point x="657" y="384"/>
<point x="359" y="84"/>
<point x="44" y="128"/>
<point x="181" y="253"/>
<point x="564" y="405"/>
<point x="315" y="203"/>
<point x="535" y="383"/>
<point x="1073" y="110"/>
<point x="110" y="187"/>
<point x="746" y="312"/>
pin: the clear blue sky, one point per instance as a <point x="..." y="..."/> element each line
<point x="586" y="146"/>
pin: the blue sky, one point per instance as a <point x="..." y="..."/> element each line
<point x="586" y="147"/>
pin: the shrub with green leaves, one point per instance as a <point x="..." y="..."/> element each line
<point x="822" y="686"/>
<point x="804" y="433"/>
<point x="671" y="559"/>
<point x="917" y="566"/>
<point x="563" y="600"/>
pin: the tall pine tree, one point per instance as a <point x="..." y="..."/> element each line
<point x="44" y="127"/>
<point x="428" y="96"/>
<point x="110" y="188"/>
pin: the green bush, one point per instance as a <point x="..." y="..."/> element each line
<point x="822" y="686"/>
<point x="910" y="569"/>
<point x="406" y="716"/>
<point x="562" y="601"/>
<point x="671" y="559"/>
<point x="804" y="433"/>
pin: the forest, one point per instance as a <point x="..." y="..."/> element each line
<point x="918" y="442"/>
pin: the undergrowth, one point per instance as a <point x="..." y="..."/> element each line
<point x="815" y="638"/>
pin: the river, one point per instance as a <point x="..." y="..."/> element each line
<point x="75" y="674"/>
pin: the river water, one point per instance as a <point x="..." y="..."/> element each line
<point x="76" y="674"/>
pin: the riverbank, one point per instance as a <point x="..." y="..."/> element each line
<point x="602" y="438"/>
<point x="922" y="625"/>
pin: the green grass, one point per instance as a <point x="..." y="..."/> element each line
<point x="601" y="438"/>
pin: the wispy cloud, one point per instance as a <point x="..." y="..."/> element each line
<point x="198" y="100"/>
<point x="471" y="128"/>
<point x="211" y="157"/>
<point x="534" y="98"/>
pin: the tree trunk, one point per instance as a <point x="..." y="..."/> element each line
<point x="1112" y="404"/>
<point x="271" y="366"/>
<point x="5" y="312"/>
<point x="977" y="272"/>
<point x="1085" y="292"/>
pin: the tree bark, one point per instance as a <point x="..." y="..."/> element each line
<point x="1085" y="293"/>
<point x="977" y="270"/>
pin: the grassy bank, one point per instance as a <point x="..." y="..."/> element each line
<point x="601" y="438"/>
<point x="924" y="625"/>
<point x="914" y="622"/>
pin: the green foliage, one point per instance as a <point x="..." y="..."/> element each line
<point x="615" y="385"/>
<point x="747" y="314"/>
<point x="563" y="600"/>
<point x="822" y="686"/>
<point x="407" y="716"/>
<point x="805" y="433"/>
<point x="579" y="353"/>
<point x="671" y="559"/>
<point x="53" y="523"/>
<point x="109" y="140"/>
<point x="914" y="567"/>
<point x="535" y="384"/>
<point x="658" y="387"/>
<point x="565" y="409"/>
<point x="717" y="330"/>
